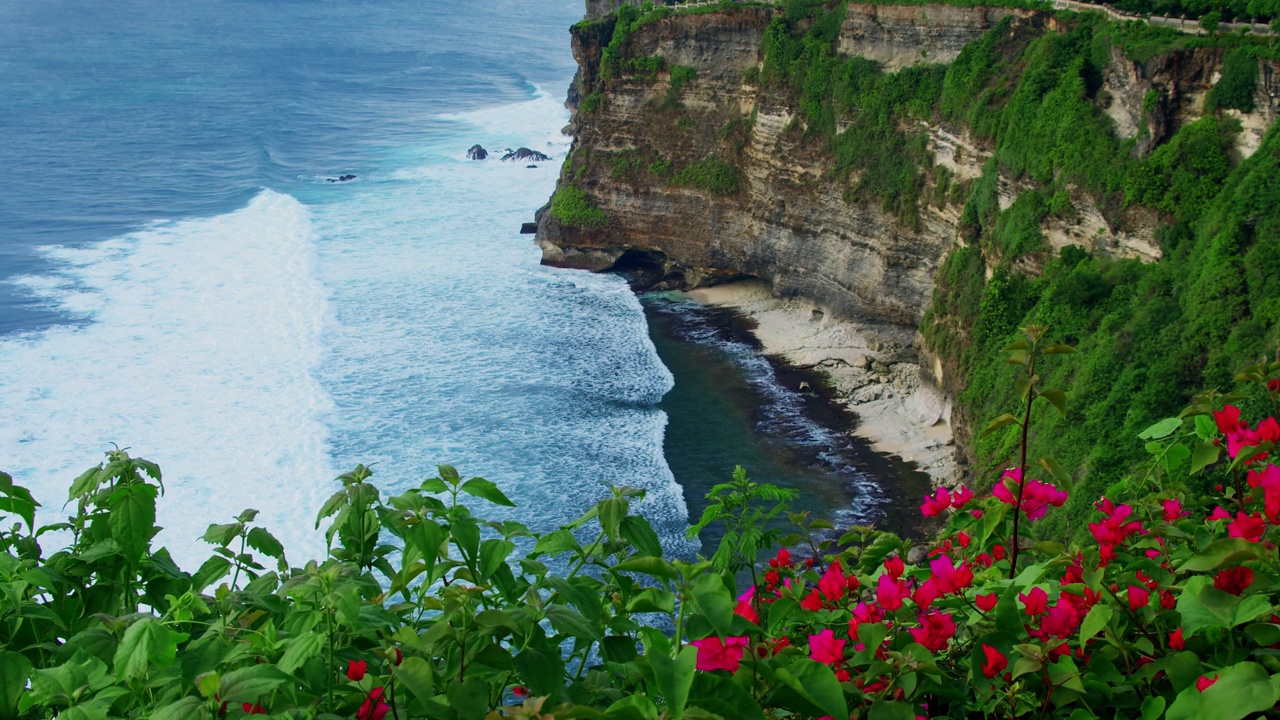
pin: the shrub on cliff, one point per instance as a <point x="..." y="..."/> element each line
<point x="571" y="206"/>
<point x="1167" y="612"/>
<point x="712" y="175"/>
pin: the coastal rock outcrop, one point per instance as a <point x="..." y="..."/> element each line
<point x="525" y="154"/>
<point x="477" y="153"/>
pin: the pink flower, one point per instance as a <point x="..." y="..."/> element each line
<point x="1173" y="510"/>
<point x="1036" y="601"/>
<point x="926" y="594"/>
<point x="356" y="670"/>
<point x="1203" y="683"/>
<point x="825" y="648"/>
<point x="1219" y="513"/>
<point x="373" y="707"/>
<point x="895" y="567"/>
<point x="1233" y="580"/>
<point x="833" y="582"/>
<point x="937" y="503"/>
<point x="996" y="661"/>
<point x="1114" y="530"/>
<point x="1249" y="527"/>
<point x="746" y="610"/>
<point x="1175" y="640"/>
<point x="890" y="592"/>
<point x="715" y="654"/>
<point x="1138" y="597"/>
<point x="1037" y="496"/>
<point x="962" y="497"/>
<point x="934" y="631"/>
<point x="987" y="602"/>
<point x="949" y="578"/>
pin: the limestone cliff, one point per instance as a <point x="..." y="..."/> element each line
<point x="704" y="174"/>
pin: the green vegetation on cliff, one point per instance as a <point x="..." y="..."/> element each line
<point x="572" y="207"/>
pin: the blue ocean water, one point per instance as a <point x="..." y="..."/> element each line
<point x="177" y="275"/>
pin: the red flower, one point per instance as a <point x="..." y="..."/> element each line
<point x="520" y="691"/>
<point x="934" y="631"/>
<point x="254" y="709"/>
<point x="782" y="560"/>
<point x="825" y="648"/>
<point x="997" y="552"/>
<point x="1173" y="510"/>
<point x="987" y="603"/>
<point x="356" y="670"/>
<point x="1175" y="640"/>
<point x="843" y="675"/>
<point x="1167" y="600"/>
<point x="962" y="497"/>
<point x="948" y="577"/>
<point x="895" y="567"/>
<point x="1249" y="527"/>
<point x="717" y="654"/>
<point x="373" y="707"/>
<point x="1114" y="530"/>
<point x="812" y="601"/>
<point x="996" y="661"/>
<point x="833" y="582"/>
<point x="1036" y="601"/>
<point x="1228" y="419"/>
<point x="937" y="503"/>
<point x="746" y="610"/>
<point x="926" y="594"/>
<point x="1203" y="683"/>
<point x="890" y="592"/>
<point x="1273" y="386"/>
<point x="1219" y="513"/>
<point x="1138" y="597"/>
<point x="1234" y="580"/>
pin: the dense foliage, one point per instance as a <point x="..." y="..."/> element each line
<point x="571" y="206"/>
<point x="425" y="610"/>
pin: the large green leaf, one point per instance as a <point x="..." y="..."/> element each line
<point x="485" y="490"/>
<point x="1162" y="429"/>
<point x="648" y="565"/>
<point x="652" y="600"/>
<point x="542" y="670"/>
<point x="1097" y="619"/>
<point x="674" y="677"/>
<point x="144" y="642"/>
<point x="568" y="621"/>
<point x="637" y="531"/>
<point x="264" y="542"/>
<point x="817" y="684"/>
<point x="15" y="668"/>
<point x="133" y="519"/>
<point x="299" y="650"/>
<point x="188" y="708"/>
<point x="715" y="601"/>
<point x="1222" y="552"/>
<point x="891" y="710"/>
<point x="415" y="675"/>
<point x="722" y="696"/>
<point x="634" y="707"/>
<point x="251" y="684"/>
<point x="554" y="543"/>
<point x="1240" y="691"/>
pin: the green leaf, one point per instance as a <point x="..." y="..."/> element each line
<point x="1153" y="707"/>
<point x="1057" y="398"/>
<point x="817" y="684"/>
<point x="1000" y="422"/>
<point x="15" y="668"/>
<point x="133" y="519"/>
<point x="493" y="553"/>
<point x="1064" y="673"/>
<point x="674" y="677"/>
<point x="466" y="533"/>
<point x="568" y="621"/>
<point x="1264" y="634"/>
<point x="542" y="669"/>
<point x="891" y="710"/>
<point x="1240" y="691"/>
<point x="208" y="684"/>
<point x="251" y="684"/>
<point x="637" y="531"/>
<point x="653" y="566"/>
<point x="470" y="699"/>
<point x="1094" y="622"/>
<point x="1205" y="454"/>
<point x="554" y="543"/>
<point x="723" y="696"/>
<point x="715" y="601"/>
<point x="24" y="509"/>
<point x="264" y="542"/>
<point x="633" y="707"/>
<point x="1206" y="428"/>
<point x="1058" y="350"/>
<point x="213" y="569"/>
<point x="141" y="642"/>
<point x="1174" y="457"/>
<point x="188" y="708"/>
<point x="1162" y="429"/>
<point x="300" y="649"/>
<point x="652" y="600"/>
<point x="1222" y="552"/>
<point x="485" y="490"/>
<point x="415" y="675"/>
<point x="1186" y="706"/>
<point x="1183" y="670"/>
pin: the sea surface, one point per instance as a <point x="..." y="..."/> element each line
<point x="178" y="275"/>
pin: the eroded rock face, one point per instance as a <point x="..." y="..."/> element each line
<point x="477" y="153"/>
<point x="523" y="154"/>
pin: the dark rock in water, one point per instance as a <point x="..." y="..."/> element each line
<point x="525" y="154"/>
<point x="342" y="178"/>
<point x="531" y="166"/>
<point x="477" y="153"/>
<point x="529" y="228"/>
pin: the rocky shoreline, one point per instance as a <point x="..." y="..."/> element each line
<point x="872" y="369"/>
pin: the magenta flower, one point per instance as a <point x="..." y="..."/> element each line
<point x="826" y="648"/>
<point x="937" y="503"/>
<point x="890" y="592"/>
<point x="717" y="654"/>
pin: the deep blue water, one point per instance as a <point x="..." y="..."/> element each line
<point x="178" y="276"/>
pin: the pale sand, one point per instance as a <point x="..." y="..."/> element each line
<point x="873" y="368"/>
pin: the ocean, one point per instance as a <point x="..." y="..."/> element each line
<point x="179" y="276"/>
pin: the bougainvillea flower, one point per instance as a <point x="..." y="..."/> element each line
<point x="1115" y="528"/>
<point x="1203" y="683"/>
<point x="1175" y="640"/>
<point x="826" y="648"/>
<point x="949" y="578"/>
<point x="812" y="601"/>
<point x="935" y="630"/>
<point x="1228" y="419"/>
<point x="997" y="552"/>
<point x="253" y="709"/>
<point x="783" y="559"/>
<point x="890" y="592"/>
<point x="1249" y="527"/>
<point x="1273" y="386"/>
<point x="833" y="582"/>
<point x="1036" y="496"/>
<point x="1036" y="601"/>
<point x="747" y="610"/>
<point x="356" y="670"/>
<point x="1219" y="513"/>
<point x="373" y="708"/>
<point x="1233" y="580"/>
<point x="926" y="594"/>
<point x="963" y="496"/>
<point x="1173" y="510"/>
<point x="895" y="567"/>
<point x="996" y="661"/>
<point x="963" y="539"/>
<point x="987" y="602"/>
<point x="937" y="503"/>
<point x="715" y="654"/>
<point x="1138" y="597"/>
<point x="1168" y="600"/>
<point x="1270" y="475"/>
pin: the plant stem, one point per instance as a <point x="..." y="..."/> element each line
<point x="1022" y="470"/>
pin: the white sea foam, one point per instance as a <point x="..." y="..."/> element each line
<point x="198" y="354"/>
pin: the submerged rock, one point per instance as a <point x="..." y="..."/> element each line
<point x="524" y="154"/>
<point x="477" y="153"/>
<point x="342" y="178"/>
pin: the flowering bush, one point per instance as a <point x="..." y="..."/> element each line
<point x="1169" y="614"/>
